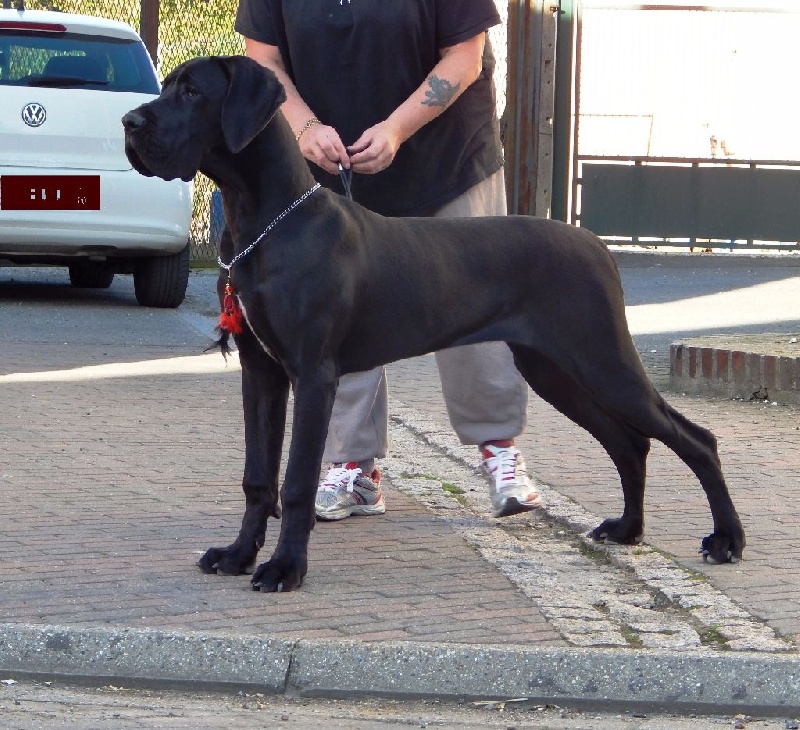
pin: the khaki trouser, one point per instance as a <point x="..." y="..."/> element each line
<point x="485" y="395"/>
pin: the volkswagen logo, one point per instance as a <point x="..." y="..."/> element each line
<point x="34" y="114"/>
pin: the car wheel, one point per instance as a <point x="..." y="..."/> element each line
<point x="161" y="281"/>
<point x="90" y="275"/>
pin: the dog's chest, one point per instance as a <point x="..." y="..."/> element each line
<point x="258" y="329"/>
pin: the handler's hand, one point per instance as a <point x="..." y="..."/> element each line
<point x="322" y="145"/>
<point x="375" y="149"/>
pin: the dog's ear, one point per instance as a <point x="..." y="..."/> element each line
<point x="254" y="95"/>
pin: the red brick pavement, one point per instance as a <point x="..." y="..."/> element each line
<point x="760" y="451"/>
<point x="110" y="489"/>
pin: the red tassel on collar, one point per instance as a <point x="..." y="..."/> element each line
<point x="231" y="318"/>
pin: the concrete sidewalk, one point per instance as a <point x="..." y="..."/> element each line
<point x="121" y="463"/>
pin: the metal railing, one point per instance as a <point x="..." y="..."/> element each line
<point x="712" y="204"/>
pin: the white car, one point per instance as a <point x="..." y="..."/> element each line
<point x="68" y="195"/>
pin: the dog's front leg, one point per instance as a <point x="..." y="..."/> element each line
<point x="313" y="402"/>
<point x="265" y="389"/>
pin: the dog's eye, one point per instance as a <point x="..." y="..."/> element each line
<point x="191" y="91"/>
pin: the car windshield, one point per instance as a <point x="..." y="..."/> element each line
<point x="72" y="60"/>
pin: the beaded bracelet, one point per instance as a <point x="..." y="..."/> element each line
<point x="310" y="123"/>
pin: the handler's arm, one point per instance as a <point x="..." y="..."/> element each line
<point x="318" y="142"/>
<point x="458" y="67"/>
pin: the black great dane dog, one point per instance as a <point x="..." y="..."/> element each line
<point x="327" y="287"/>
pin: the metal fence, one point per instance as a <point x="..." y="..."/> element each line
<point x="185" y="29"/>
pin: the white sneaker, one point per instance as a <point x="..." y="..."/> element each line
<point x="511" y="489"/>
<point x="346" y="491"/>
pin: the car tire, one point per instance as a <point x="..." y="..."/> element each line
<point x="160" y="281"/>
<point x="90" y="275"/>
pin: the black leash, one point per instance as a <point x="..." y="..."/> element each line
<point x="347" y="180"/>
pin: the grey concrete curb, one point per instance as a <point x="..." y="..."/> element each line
<point x="144" y="657"/>
<point x="690" y="681"/>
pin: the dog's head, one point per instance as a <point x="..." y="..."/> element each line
<point x="205" y="104"/>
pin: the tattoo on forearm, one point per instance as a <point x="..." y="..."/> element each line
<point x="441" y="91"/>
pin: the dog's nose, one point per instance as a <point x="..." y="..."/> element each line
<point x="133" y="120"/>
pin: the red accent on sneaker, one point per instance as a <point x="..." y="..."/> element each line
<point x="499" y="443"/>
<point x="510" y="477"/>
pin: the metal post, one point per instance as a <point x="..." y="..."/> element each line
<point x="565" y="84"/>
<point x="529" y="112"/>
<point x="148" y="27"/>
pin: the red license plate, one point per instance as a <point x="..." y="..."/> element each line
<point x="50" y="192"/>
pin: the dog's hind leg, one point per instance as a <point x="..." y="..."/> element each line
<point x="697" y="447"/>
<point x="265" y="391"/>
<point x="626" y="447"/>
<point x="622" y="388"/>
<point x="614" y="379"/>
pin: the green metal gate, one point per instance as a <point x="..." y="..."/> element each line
<point x="683" y="126"/>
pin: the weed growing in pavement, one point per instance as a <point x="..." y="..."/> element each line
<point x="631" y="636"/>
<point x="712" y="636"/>
<point x="596" y="553"/>
<point x="429" y="477"/>
<point x="456" y="492"/>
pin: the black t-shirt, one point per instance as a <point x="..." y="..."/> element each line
<point x="355" y="62"/>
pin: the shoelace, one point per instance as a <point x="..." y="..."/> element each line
<point x="336" y="478"/>
<point x="503" y="466"/>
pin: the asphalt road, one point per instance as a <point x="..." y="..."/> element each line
<point x="668" y="298"/>
<point x="38" y="706"/>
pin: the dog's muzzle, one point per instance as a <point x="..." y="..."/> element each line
<point x="134" y="123"/>
<point x="147" y="153"/>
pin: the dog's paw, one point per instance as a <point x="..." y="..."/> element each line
<point x="718" y="548"/>
<point x="618" y="530"/>
<point x="230" y="560"/>
<point x="279" y="575"/>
